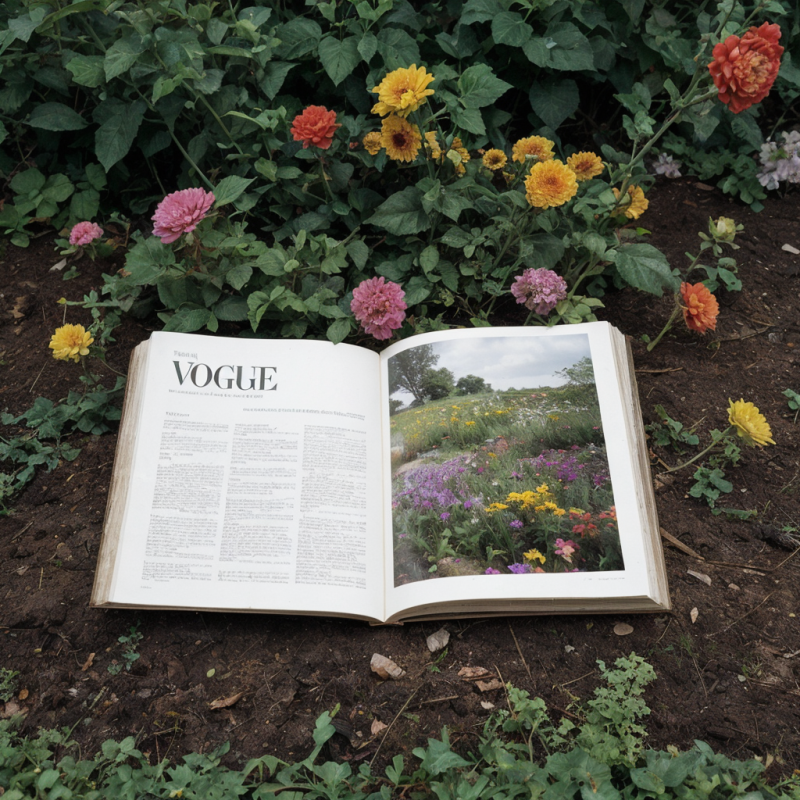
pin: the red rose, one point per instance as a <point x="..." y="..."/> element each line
<point x="745" y="69"/>
<point x="316" y="125"/>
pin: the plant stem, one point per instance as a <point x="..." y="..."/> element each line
<point x="670" y="321"/>
<point x="702" y="452"/>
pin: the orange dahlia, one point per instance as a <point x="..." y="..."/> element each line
<point x="700" y="307"/>
<point x="494" y="159"/>
<point x="585" y="165"/>
<point x="315" y="126"/>
<point x="401" y="139"/>
<point x="550" y="183"/>
<point x="745" y="69"/>
<point x="536" y="146"/>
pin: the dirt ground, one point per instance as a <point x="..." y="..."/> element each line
<point x="730" y="677"/>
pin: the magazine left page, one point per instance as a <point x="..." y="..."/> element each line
<point x="255" y="479"/>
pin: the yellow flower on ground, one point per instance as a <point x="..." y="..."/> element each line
<point x="637" y="204"/>
<point x="536" y="146"/>
<point x="534" y="555"/>
<point x="494" y="159"/>
<point x="750" y="423"/>
<point x="403" y="91"/>
<point x="401" y="139"/>
<point x="70" y="341"/>
<point x="585" y="165"/>
<point x="372" y="143"/>
<point x="432" y="145"/>
<point x="549" y="184"/>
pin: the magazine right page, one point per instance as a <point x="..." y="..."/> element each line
<point x="511" y="473"/>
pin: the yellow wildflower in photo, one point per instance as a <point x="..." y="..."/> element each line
<point x="496" y="507"/>
<point x="469" y="423"/>
<point x="432" y="146"/>
<point x="550" y="184"/>
<point x="534" y="555"/>
<point x="536" y="146"/>
<point x="401" y="139"/>
<point x="637" y="204"/>
<point x="403" y="91"/>
<point x="585" y="166"/>
<point x="70" y="342"/>
<point x="750" y="423"/>
<point x="372" y="143"/>
<point x="494" y="159"/>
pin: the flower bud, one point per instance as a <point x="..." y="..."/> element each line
<point x="722" y="229"/>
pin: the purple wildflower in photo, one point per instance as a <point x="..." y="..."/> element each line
<point x="444" y="515"/>
<point x="515" y="523"/>
<point x="520" y="569"/>
<point x="491" y="571"/>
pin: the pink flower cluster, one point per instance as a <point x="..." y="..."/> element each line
<point x="179" y="213"/>
<point x="85" y="233"/>
<point x="566" y="549"/>
<point x="539" y="289"/>
<point x="379" y="306"/>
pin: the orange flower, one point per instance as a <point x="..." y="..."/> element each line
<point x="585" y="165"/>
<point x="700" y="308"/>
<point x="745" y="69"/>
<point x="536" y="146"/>
<point x="550" y="183"/>
<point x="315" y="126"/>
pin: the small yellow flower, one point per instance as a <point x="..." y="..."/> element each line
<point x="432" y="145"/>
<point x="750" y="423"/>
<point x="637" y="204"/>
<point x="469" y="423"/>
<point x="70" y="341"/>
<point x="403" y="91"/>
<point x="534" y="555"/>
<point x="537" y="146"/>
<point x="494" y="159"/>
<point x="550" y="184"/>
<point x="585" y="166"/>
<point x="496" y="507"/>
<point x="372" y="143"/>
<point x="401" y="139"/>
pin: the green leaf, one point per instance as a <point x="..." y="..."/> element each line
<point x="469" y="119"/>
<point x="87" y="70"/>
<point x="358" y="251"/>
<point x="57" y="188"/>
<point x="339" y="57"/>
<point x="339" y="329"/>
<point x="480" y="11"/>
<point x="298" y="37"/>
<point x="429" y="258"/>
<point x="541" y="251"/>
<point x="189" y="319"/>
<point x="437" y="757"/>
<point x="148" y="260"/>
<point x="633" y="8"/>
<point x="24" y="26"/>
<point x="554" y="100"/>
<point x="28" y="182"/>
<point x="3" y="133"/>
<point x="508" y="27"/>
<point x="274" y="75"/>
<point x="228" y="189"/>
<point x="113" y="139"/>
<point x="646" y="268"/>
<point x="231" y="309"/>
<point x="397" y="48"/>
<point x="122" y="55"/>
<point x="479" y="86"/>
<point x="745" y="127"/>
<point x="238" y="275"/>
<point x="402" y="213"/>
<point x="85" y="204"/>
<point x="367" y="46"/>
<point x="56" y="117"/>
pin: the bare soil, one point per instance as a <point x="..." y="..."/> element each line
<point x="730" y="677"/>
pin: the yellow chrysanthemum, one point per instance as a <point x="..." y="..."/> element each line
<point x="536" y="146"/>
<point x="403" y="91"/>
<point x="550" y="183"/>
<point x="534" y="555"/>
<point x="70" y="341"/>
<point x="637" y="205"/>
<point x="372" y="143"/>
<point x="750" y="423"/>
<point x="585" y="165"/>
<point x="494" y="159"/>
<point x="401" y="139"/>
<point x="432" y="145"/>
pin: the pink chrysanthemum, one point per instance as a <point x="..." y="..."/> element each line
<point x="540" y="290"/>
<point x="180" y="212"/>
<point x="379" y="306"/>
<point x="85" y="233"/>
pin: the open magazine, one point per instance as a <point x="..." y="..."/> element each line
<point x="458" y="473"/>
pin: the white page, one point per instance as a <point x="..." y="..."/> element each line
<point x="255" y="488"/>
<point x="628" y="582"/>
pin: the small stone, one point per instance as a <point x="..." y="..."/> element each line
<point x="790" y="249"/>
<point x="623" y="629"/>
<point x="733" y="587"/>
<point x="694" y="614"/>
<point x="385" y="667"/>
<point x="437" y="641"/>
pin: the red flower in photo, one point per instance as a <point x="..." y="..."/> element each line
<point x="700" y="307"/>
<point x="745" y="69"/>
<point x="315" y="126"/>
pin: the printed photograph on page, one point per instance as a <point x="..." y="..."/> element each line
<point x="499" y="462"/>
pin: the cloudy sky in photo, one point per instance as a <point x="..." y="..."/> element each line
<point x="522" y="362"/>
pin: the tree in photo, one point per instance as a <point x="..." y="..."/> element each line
<point x="472" y="384"/>
<point x="438" y="383"/>
<point x="407" y="370"/>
